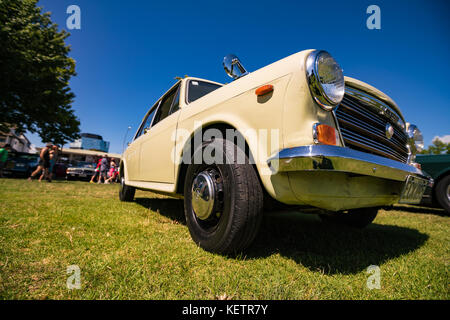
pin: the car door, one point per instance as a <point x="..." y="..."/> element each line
<point x="133" y="150"/>
<point x="157" y="146"/>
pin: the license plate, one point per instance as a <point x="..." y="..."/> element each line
<point x="83" y="175"/>
<point x="413" y="190"/>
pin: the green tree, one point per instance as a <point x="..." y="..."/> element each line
<point x="438" y="147"/>
<point x="35" y="70"/>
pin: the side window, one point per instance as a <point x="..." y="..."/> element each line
<point x="165" y="106"/>
<point x="176" y="102"/>
<point x="148" y="121"/>
<point x="197" y="89"/>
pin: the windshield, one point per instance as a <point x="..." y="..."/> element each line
<point x="83" y="164"/>
<point x="198" y="89"/>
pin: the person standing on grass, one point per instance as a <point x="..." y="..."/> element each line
<point x="53" y="158"/>
<point x="47" y="175"/>
<point x="3" y="157"/>
<point x="97" y="170"/>
<point x="44" y="163"/>
<point x="104" y="167"/>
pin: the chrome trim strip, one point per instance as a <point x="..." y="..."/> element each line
<point x="338" y="159"/>
<point x="377" y="106"/>
<point x="372" y="145"/>
<point x="363" y="120"/>
<point x="314" y="132"/>
<point x="372" y="133"/>
<point x="338" y="127"/>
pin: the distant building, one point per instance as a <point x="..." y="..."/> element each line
<point x="90" y="141"/>
<point x="18" y="141"/>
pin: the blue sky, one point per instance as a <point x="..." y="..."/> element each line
<point x="128" y="52"/>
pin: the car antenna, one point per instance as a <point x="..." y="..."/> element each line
<point x="180" y="78"/>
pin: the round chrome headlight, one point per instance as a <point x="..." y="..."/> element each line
<point x="415" y="137"/>
<point x="325" y="79"/>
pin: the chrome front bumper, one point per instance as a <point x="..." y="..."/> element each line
<point x="326" y="158"/>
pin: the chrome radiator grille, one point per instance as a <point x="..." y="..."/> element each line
<point x="364" y="122"/>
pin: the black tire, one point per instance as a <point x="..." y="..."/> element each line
<point x="126" y="193"/>
<point x="355" y="218"/>
<point x="441" y="193"/>
<point x="236" y="217"/>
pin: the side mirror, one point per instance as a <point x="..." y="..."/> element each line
<point x="233" y="67"/>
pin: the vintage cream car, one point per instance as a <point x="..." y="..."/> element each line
<point x="295" y="132"/>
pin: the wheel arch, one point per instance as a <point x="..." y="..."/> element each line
<point x="440" y="176"/>
<point x="222" y="126"/>
<point x="123" y="168"/>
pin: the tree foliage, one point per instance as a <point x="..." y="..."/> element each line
<point x="35" y="70"/>
<point x="438" y="147"/>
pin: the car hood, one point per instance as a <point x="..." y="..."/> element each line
<point x="357" y="84"/>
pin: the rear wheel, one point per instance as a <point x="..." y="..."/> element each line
<point x="126" y="193"/>
<point x="442" y="193"/>
<point x="356" y="218"/>
<point x="223" y="201"/>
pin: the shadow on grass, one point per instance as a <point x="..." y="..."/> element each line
<point x="170" y="207"/>
<point x="419" y="209"/>
<point x="332" y="249"/>
<point x="320" y="247"/>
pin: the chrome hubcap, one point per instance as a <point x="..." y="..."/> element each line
<point x="448" y="192"/>
<point x="203" y="195"/>
<point x="208" y="196"/>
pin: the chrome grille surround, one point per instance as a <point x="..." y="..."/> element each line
<point x="363" y="121"/>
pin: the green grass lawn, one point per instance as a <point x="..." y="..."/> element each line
<point x="143" y="250"/>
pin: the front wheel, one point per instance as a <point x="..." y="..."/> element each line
<point x="442" y="193"/>
<point x="126" y="193"/>
<point x="223" y="201"/>
<point x="356" y="218"/>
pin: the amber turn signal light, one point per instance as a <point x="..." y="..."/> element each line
<point x="326" y="134"/>
<point x="264" y="90"/>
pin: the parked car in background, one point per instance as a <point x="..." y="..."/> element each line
<point x="80" y="171"/>
<point x="296" y="132"/>
<point x="438" y="167"/>
<point x="20" y="164"/>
